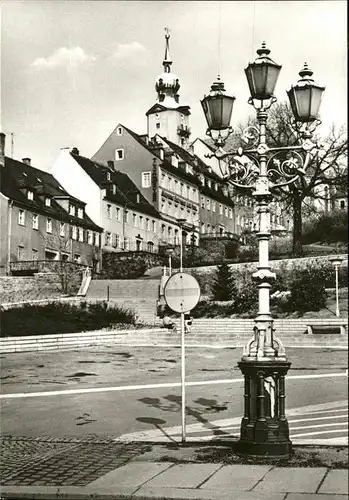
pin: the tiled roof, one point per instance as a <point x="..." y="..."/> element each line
<point x="18" y="177"/>
<point x="126" y="191"/>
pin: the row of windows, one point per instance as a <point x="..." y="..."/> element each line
<point x="77" y="233"/>
<point x="207" y="228"/>
<point x="116" y="241"/>
<point x="137" y="220"/>
<point x="72" y="209"/>
<point x="211" y="205"/>
<point x="179" y="210"/>
<point x="178" y="187"/>
<point x="49" y="255"/>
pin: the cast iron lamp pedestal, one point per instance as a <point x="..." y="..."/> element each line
<point x="256" y="166"/>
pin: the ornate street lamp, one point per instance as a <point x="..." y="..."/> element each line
<point x="336" y="261"/>
<point x="260" y="168"/>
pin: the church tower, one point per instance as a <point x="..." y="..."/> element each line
<point x="167" y="118"/>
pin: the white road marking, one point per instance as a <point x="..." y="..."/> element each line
<point x="345" y="430"/>
<point x="316" y="426"/>
<point x="232" y="425"/>
<point x="317" y="418"/>
<point x="151" y="386"/>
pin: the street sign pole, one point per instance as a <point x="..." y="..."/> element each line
<point x="182" y="293"/>
<point x="183" y="375"/>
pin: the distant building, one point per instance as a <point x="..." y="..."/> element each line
<point x="40" y="220"/>
<point x="128" y="220"/>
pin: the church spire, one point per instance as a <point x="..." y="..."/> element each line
<point x="167" y="59"/>
<point x="167" y="84"/>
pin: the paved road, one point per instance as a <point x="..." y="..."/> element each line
<point x="117" y="409"/>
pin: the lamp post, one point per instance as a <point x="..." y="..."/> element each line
<point x="336" y="261"/>
<point x="180" y="223"/>
<point x="170" y="252"/>
<point x="262" y="169"/>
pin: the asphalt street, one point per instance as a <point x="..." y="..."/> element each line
<point x="139" y="390"/>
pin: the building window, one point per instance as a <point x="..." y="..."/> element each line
<point x="147" y="224"/>
<point x="74" y="232"/>
<point x="158" y="125"/>
<point x="114" y="189"/>
<point x="163" y="229"/>
<point x="48" y="202"/>
<point x="49" y="225"/>
<point x="342" y="204"/>
<point x="146" y="179"/>
<point x="220" y="209"/>
<point x="108" y="176"/>
<point x="154" y="226"/>
<point x="108" y="239"/>
<point x="213" y="206"/>
<point x="119" y="154"/>
<point x="21" y="217"/>
<point x="126" y="216"/>
<point x="81" y="234"/>
<point x="35" y="254"/>
<point x="30" y="195"/>
<point x="89" y="237"/>
<point x="126" y="243"/>
<point x="35" y="221"/>
<point x="117" y="241"/>
<point x="208" y="204"/>
<point x="71" y="210"/>
<point x="202" y="202"/>
<point x="117" y="213"/>
<point x="20" y="252"/>
<point x="226" y="211"/>
<point x="150" y="246"/>
<point x="109" y="211"/>
<point x="230" y="213"/>
<point x="77" y="258"/>
<point x="119" y="131"/>
<point x="134" y="220"/>
<point x="141" y="222"/>
<point x="202" y="227"/>
<point x="80" y="213"/>
<point x="62" y="229"/>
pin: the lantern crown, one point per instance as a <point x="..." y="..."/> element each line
<point x="305" y="97"/>
<point x="262" y="75"/>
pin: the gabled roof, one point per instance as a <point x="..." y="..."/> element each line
<point x="18" y="177"/>
<point x="126" y="193"/>
<point x="156" y="108"/>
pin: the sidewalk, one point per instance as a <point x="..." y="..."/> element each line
<point x="106" y="470"/>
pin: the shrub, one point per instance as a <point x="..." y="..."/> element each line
<point x="307" y="291"/>
<point x="58" y="317"/>
<point x="223" y="287"/>
<point x="330" y="227"/>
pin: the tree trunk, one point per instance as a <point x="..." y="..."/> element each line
<point x="297" y="249"/>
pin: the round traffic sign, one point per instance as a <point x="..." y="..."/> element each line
<point x="182" y="292"/>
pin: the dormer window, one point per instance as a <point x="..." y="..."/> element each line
<point x="48" y="202"/>
<point x="202" y="179"/>
<point x="209" y="184"/>
<point x="216" y="186"/>
<point x="174" y="161"/>
<point x="114" y="189"/>
<point x="71" y="210"/>
<point x="108" y="176"/>
<point x="30" y="195"/>
<point x="80" y="213"/>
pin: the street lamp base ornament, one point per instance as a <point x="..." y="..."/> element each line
<point x="264" y="428"/>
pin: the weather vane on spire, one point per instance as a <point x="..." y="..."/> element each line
<point x="167" y="33"/>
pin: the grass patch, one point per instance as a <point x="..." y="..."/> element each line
<point x="58" y="317"/>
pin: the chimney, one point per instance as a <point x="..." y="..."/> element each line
<point x="110" y="164"/>
<point x="75" y="151"/>
<point x="2" y="149"/>
<point x="138" y="198"/>
<point x="27" y="161"/>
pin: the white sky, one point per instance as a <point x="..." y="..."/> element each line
<point x="72" y="70"/>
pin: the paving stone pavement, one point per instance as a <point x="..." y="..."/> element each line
<point x="71" y="461"/>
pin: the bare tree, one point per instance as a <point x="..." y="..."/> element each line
<point x="326" y="173"/>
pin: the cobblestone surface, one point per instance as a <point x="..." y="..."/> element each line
<point x="69" y="461"/>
